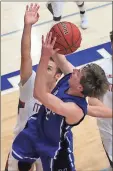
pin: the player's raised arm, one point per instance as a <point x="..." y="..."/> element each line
<point x="69" y="42"/>
<point x="61" y="61"/>
<point x="30" y="18"/>
<point x="68" y="110"/>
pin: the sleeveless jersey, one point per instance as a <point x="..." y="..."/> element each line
<point x="27" y="105"/>
<point x="50" y="130"/>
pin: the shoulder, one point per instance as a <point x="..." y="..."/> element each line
<point x="26" y="89"/>
<point x="30" y="80"/>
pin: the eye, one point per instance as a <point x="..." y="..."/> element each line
<point x="49" y="69"/>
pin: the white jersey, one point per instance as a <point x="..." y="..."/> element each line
<point x="105" y="124"/>
<point x="28" y="105"/>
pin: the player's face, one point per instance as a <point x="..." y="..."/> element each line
<point x="51" y="72"/>
<point x="75" y="78"/>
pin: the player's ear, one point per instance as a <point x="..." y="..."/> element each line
<point x="80" y="87"/>
<point x="57" y="76"/>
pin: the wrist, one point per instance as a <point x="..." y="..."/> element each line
<point x="27" y="25"/>
<point x="45" y="57"/>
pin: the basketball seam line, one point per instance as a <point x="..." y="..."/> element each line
<point x="64" y="37"/>
<point x="72" y="33"/>
<point x="57" y="42"/>
<point x="78" y="37"/>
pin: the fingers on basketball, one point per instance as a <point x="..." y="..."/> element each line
<point x="53" y="41"/>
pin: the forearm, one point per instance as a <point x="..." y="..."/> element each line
<point x="26" y="61"/>
<point x="94" y="102"/>
<point x="31" y="17"/>
<point x="99" y="111"/>
<point x="40" y="87"/>
<point x="26" y="42"/>
<point x="68" y="110"/>
<point x="61" y="61"/>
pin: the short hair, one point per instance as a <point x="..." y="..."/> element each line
<point x="111" y="36"/>
<point x="58" y="71"/>
<point x="94" y="81"/>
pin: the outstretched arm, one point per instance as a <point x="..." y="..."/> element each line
<point x="68" y="110"/>
<point x="30" y="18"/>
<point x="97" y="109"/>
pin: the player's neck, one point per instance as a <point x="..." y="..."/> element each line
<point x="51" y="87"/>
<point x="74" y="93"/>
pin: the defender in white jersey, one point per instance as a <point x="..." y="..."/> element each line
<point x="105" y="124"/>
<point x="56" y="8"/>
<point x="104" y="114"/>
<point x="28" y="105"/>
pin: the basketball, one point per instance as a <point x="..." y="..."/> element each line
<point x="68" y="37"/>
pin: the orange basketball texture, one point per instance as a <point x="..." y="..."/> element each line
<point x="68" y="37"/>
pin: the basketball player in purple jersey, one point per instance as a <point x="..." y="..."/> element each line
<point x="28" y="105"/>
<point x="101" y="110"/>
<point x="45" y="134"/>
